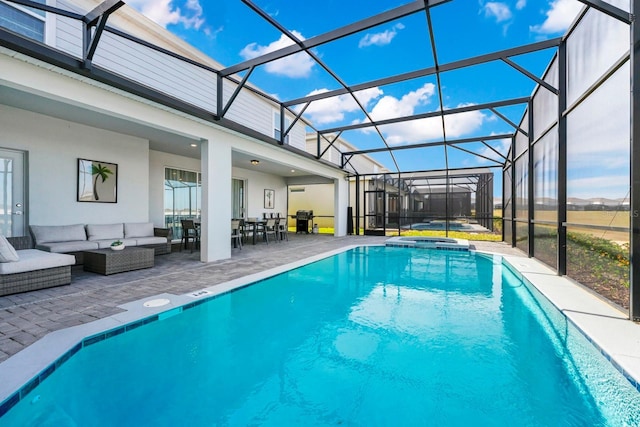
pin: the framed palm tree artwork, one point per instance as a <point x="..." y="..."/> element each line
<point x="269" y="198"/>
<point x="97" y="181"/>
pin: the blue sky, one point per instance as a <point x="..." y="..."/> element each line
<point x="230" y="32"/>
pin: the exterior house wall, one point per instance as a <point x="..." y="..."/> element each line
<point x="53" y="148"/>
<point x="62" y="142"/>
<point x="179" y="79"/>
<point x="257" y="182"/>
<point x="171" y="76"/>
<point x="316" y="197"/>
<point x="68" y="32"/>
<point x="249" y="110"/>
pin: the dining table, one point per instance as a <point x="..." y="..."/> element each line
<point x="254" y="223"/>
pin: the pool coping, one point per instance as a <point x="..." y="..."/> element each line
<point x="607" y="327"/>
<point x="428" y="242"/>
<point x="19" y="371"/>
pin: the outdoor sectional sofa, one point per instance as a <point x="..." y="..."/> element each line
<point x="33" y="269"/>
<point x="45" y="260"/>
<point x="74" y="239"/>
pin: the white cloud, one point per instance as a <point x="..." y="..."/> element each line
<point x="521" y="4"/>
<point x="380" y="39"/>
<point x="165" y="12"/>
<point x="331" y="110"/>
<point x="296" y="66"/>
<point x="560" y="15"/>
<point x="497" y="10"/>
<point x="460" y="124"/>
<point x="415" y="131"/>
<point x="420" y="130"/>
<point x="501" y="145"/>
<point x="212" y="33"/>
<point x="390" y="107"/>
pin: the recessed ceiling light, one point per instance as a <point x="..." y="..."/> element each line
<point x="194" y="145"/>
<point x="293" y="170"/>
<point x="255" y="162"/>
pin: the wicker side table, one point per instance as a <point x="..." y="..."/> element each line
<point x="108" y="261"/>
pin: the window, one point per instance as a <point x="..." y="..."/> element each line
<point x="276" y="126"/>
<point x="238" y="194"/>
<point x="23" y="20"/>
<point x="182" y="198"/>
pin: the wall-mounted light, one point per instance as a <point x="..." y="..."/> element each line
<point x="255" y="162"/>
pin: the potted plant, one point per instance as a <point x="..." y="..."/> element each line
<point x="117" y="245"/>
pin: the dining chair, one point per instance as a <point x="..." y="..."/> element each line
<point x="282" y="228"/>
<point x="270" y="228"/>
<point x="236" y="236"/>
<point x="245" y="229"/>
<point x="255" y="228"/>
<point x="189" y="233"/>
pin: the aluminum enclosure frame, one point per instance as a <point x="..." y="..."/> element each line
<point x="95" y="23"/>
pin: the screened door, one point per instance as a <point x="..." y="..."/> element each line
<point x="374" y="212"/>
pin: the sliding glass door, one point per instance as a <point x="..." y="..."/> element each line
<point x="182" y="198"/>
<point x="238" y="193"/>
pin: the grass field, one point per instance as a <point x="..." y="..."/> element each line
<point x="600" y="218"/>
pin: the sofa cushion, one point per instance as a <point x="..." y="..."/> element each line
<point x="102" y="244"/>
<point x="138" y="229"/>
<point x="105" y="231"/>
<point x="62" y="247"/>
<point x="58" y="233"/>
<point x="151" y="241"/>
<point x="7" y="252"/>
<point x="33" y="259"/>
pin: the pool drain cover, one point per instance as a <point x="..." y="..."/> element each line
<point x="157" y="302"/>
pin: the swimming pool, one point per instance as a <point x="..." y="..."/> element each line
<point x="372" y="336"/>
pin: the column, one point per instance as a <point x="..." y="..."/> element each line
<point x="341" y="202"/>
<point x="215" y="233"/>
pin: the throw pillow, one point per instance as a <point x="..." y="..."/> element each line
<point x="7" y="252"/>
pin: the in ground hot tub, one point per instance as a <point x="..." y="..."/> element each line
<point x="426" y="242"/>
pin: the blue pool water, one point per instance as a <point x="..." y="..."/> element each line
<point x="373" y="336"/>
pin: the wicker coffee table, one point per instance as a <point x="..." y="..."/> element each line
<point x="108" y="261"/>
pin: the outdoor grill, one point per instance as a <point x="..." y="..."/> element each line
<point x="303" y="220"/>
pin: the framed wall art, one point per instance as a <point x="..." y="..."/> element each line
<point x="97" y="181"/>
<point x="269" y="198"/>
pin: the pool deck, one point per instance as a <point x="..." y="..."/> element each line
<point x="28" y="317"/>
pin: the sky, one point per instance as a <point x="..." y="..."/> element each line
<point x="230" y="32"/>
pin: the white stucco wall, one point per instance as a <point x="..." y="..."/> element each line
<point x="257" y="182"/>
<point x="53" y="148"/>
<point x="317" y="197"/>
